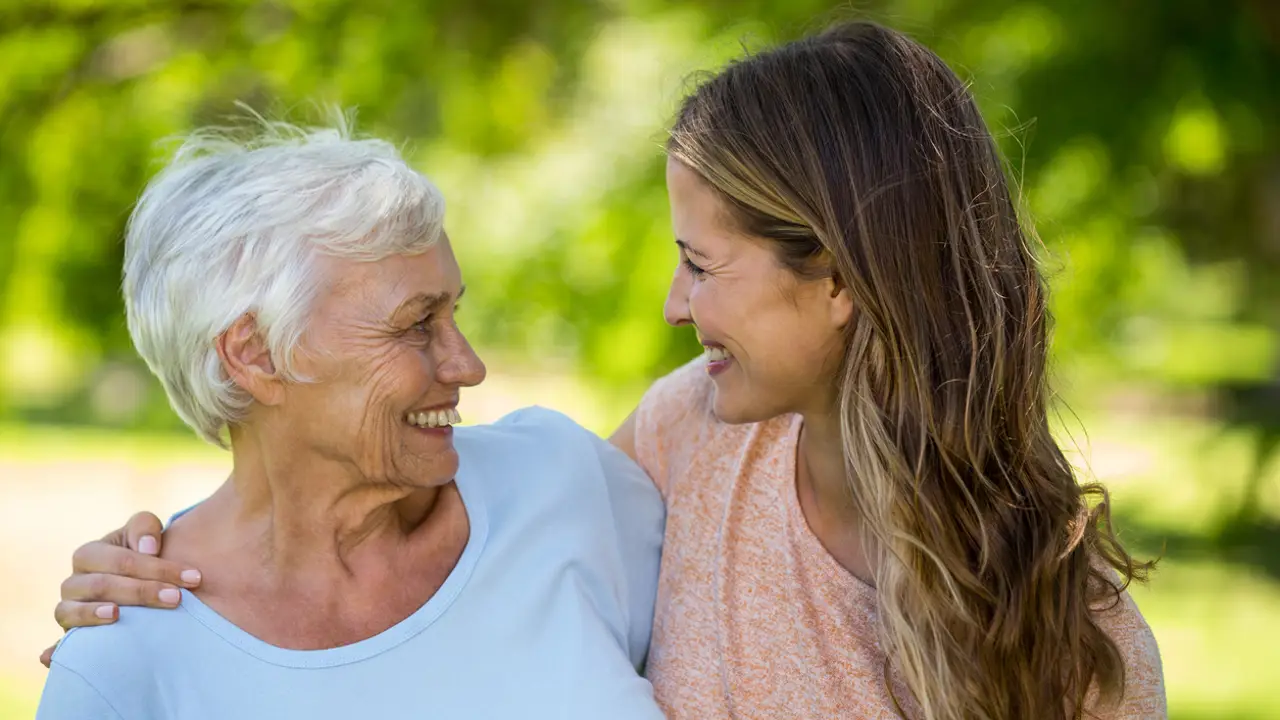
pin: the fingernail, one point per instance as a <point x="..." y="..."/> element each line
<point x="147" y="545"/>
<point x="191" y="577"/>
<point x="170" y="596"/>
<point x="105" y="612"/>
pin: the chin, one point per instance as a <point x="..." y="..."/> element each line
<point x="433" y="471"/>
<point x="728" y="410"/>
<point x="446" y="471"/>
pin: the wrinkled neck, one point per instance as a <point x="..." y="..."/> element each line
<point x="308" y="512"/>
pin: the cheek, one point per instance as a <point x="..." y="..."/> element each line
<point x="715" y="309"/>
<point x="739" y="315"/>
<point x="814" y="346"/>
<point x="363" y="393"/>
<point x="394" y="380"/>
<point x="388" y="387"/>
<point x="781" y="339"/>
<point x="787" y="341"/>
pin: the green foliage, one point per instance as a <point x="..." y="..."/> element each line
<point x="1145" y="142"/>
<point x="1145" y="138"/>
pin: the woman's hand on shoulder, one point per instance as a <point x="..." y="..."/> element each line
<point x="123" y="568"/>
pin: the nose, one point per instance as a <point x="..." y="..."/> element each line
<point x="676" y="309"/>
<point x="460" y="365"/>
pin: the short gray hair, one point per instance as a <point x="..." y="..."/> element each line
<point x="233" y="227"/>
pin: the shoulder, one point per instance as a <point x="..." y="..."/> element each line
<point x="547" y="444"/>
<point x="93" y="651"/>
<point x="1118" y="615"/>
<point x="675" y="422"/>
<point x="117" y="662"/>
<point x="134" y="637"/>
<point x="523" y="435"/>
<point x="532" y="421"/>
<point x="1144" y="691"/>
<point x="683" y="396"/>
<point x="68" y="695"/>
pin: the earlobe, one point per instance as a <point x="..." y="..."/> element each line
<point x="247" y="360"/>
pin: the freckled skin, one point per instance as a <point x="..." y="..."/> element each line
<point x="381" y="358"/>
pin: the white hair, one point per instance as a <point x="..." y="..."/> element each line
<point x="234" y="227"/>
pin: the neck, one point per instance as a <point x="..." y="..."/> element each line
<point x="825" y="495"/>
<point x="306" y="513"/>
<point x="822" y="461"/>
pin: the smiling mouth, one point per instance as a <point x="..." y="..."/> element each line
<point x="717" y="354"/>
<point x="442" y="418"/>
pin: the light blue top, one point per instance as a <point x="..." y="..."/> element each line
<point x="547" y="614"/>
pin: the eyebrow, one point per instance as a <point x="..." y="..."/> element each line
<point x="691" y="250"/>
<point x="431" y="301"/>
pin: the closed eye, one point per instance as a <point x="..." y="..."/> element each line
<point x="685" y="252"/>
<point x="423" y="325"/>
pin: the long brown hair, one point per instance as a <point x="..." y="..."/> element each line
<point x="859" y="153"/>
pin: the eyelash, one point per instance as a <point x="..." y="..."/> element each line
<point x="694" y="270"/>
<point x="421" y="325"/>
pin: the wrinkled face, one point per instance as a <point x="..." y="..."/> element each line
<point x="388" y="361"/>
<point x="773" y="340"/>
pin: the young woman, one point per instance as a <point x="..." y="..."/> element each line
<point x="867" y="514"/>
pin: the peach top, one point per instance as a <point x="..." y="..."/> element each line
<point x="754" y="617"/>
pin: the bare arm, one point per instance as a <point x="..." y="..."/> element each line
<point x="123" y="568"/>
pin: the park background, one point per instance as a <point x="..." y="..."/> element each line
<point x="1144" y="136"/>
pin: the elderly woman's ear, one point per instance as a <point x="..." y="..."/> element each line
<point x="247" y="361"/>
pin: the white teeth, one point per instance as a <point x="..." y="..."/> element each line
<point x="715" y="354"/>
<point x="434" y="418"/>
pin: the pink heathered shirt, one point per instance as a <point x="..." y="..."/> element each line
<point x="755" y="619"/>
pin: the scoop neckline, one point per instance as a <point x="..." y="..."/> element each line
<point x="831" y="569"/>
<point x="401" y="632"/>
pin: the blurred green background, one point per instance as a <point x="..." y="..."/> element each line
<point x="1145" y="137"/>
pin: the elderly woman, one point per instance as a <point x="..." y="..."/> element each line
<point x="296" y="297"/>
<point x="868" y="514"/>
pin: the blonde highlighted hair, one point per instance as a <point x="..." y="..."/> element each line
<point x="860" y="154"/>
